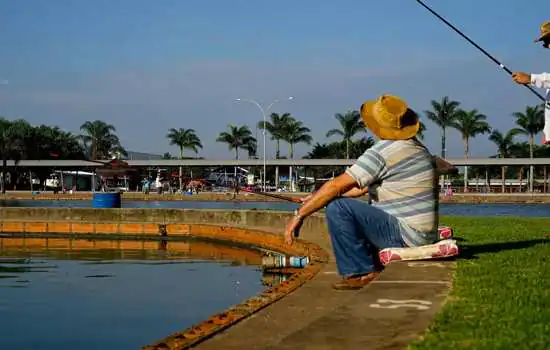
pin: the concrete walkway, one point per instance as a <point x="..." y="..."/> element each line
<point x="387" y="314"/>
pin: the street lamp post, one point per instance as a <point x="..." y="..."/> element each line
<point x="264" y="116"/>
<point x="2" y="189"/>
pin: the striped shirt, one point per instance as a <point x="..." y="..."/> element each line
<point x="402" y="180"/>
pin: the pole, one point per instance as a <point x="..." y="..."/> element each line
<point x="264" y="116"/>
<point x="477" y="46"/>
<point x="263" y="179"/>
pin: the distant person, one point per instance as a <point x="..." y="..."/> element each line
<point x="236" y="189"/>
<point x="541" y="80"/>
<point x="400" y="176"/>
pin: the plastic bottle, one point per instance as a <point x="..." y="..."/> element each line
<point x="281" y="261"/>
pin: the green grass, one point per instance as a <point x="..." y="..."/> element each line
<point x="501" y="288"/>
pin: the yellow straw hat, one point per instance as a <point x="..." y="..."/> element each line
<point x="544" y="31"/>
<point x="390" y="118"/>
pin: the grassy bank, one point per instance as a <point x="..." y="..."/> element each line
<point x="501" y="289"/>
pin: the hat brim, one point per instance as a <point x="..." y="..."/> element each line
<point x="543" y="37"/>
<point x="369" y="118"/>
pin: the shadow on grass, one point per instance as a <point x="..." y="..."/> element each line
<point x="471" y="251"/>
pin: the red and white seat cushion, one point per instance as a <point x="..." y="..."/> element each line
<point x="444" y="248"/>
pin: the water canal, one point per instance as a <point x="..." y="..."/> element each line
<point x="60" y="293"/>
<point x="458" y="209"/>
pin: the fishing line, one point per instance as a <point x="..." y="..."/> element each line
<point x="477" y="46"/>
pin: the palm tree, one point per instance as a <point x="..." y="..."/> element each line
<point x="237" y="137"/>
<point x="350" y="125"/>
<point x="319" y="151"/>
<point x="530" y="123"/>
<point x="275" y="127"/>
<point x="252" y="148"/>
<point x="100" y="139"/>
<point x="295" y="132"/>
<point x="469" y="124"/>
<point x="443" y="114"/>
<point x="421" y="131"/>
<point x="184" y="139"/>
<point x="504" y="145"/>
<point x="358" y="147"/>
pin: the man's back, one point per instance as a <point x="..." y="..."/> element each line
<point x="404" y="184"/>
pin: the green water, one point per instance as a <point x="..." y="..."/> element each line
<point x="109" y="298"/>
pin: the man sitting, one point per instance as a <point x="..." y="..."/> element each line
<point x="400" y="176"/>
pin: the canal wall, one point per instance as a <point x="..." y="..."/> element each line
<point x="156" y="222"/>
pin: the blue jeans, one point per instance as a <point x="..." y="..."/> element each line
<point x="358" y="231"/>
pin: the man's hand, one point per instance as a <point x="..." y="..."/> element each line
<point x="292" y="227"/>
<point x="316" y="201"/>
<point x="521" y="78"/>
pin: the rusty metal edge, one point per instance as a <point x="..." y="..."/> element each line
<point x="216" y="323"/>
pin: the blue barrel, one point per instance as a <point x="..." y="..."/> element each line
<point x="106" y="200"/>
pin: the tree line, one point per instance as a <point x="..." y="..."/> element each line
<point x="20" y="140"/>
<point x="98" y="140"/>
<point x="445" y="114"/>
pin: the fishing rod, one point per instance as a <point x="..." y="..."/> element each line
<point x="477" y="46"/>
<point x="278" y="196"/>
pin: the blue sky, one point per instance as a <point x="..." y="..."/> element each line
<point x="147" y="66"/>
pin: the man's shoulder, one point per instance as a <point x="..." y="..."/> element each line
<point x="390" y="146"/>
<point x="381" y="145"/>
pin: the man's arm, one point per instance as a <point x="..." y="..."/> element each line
<point x="356" y="192"/>
<point x="330" y="190"/>
<point x="541" y="80"/>
<point x="355" y="180"/>
<point x="352" y="193"/>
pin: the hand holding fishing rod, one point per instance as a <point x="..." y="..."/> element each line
<point x="518" y="77"/>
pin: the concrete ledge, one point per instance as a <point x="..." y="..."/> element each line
<point x="109" y="220"/>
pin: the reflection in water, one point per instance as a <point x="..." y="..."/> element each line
<point x="271" y="278"/>
<point x="91" y="294"/>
